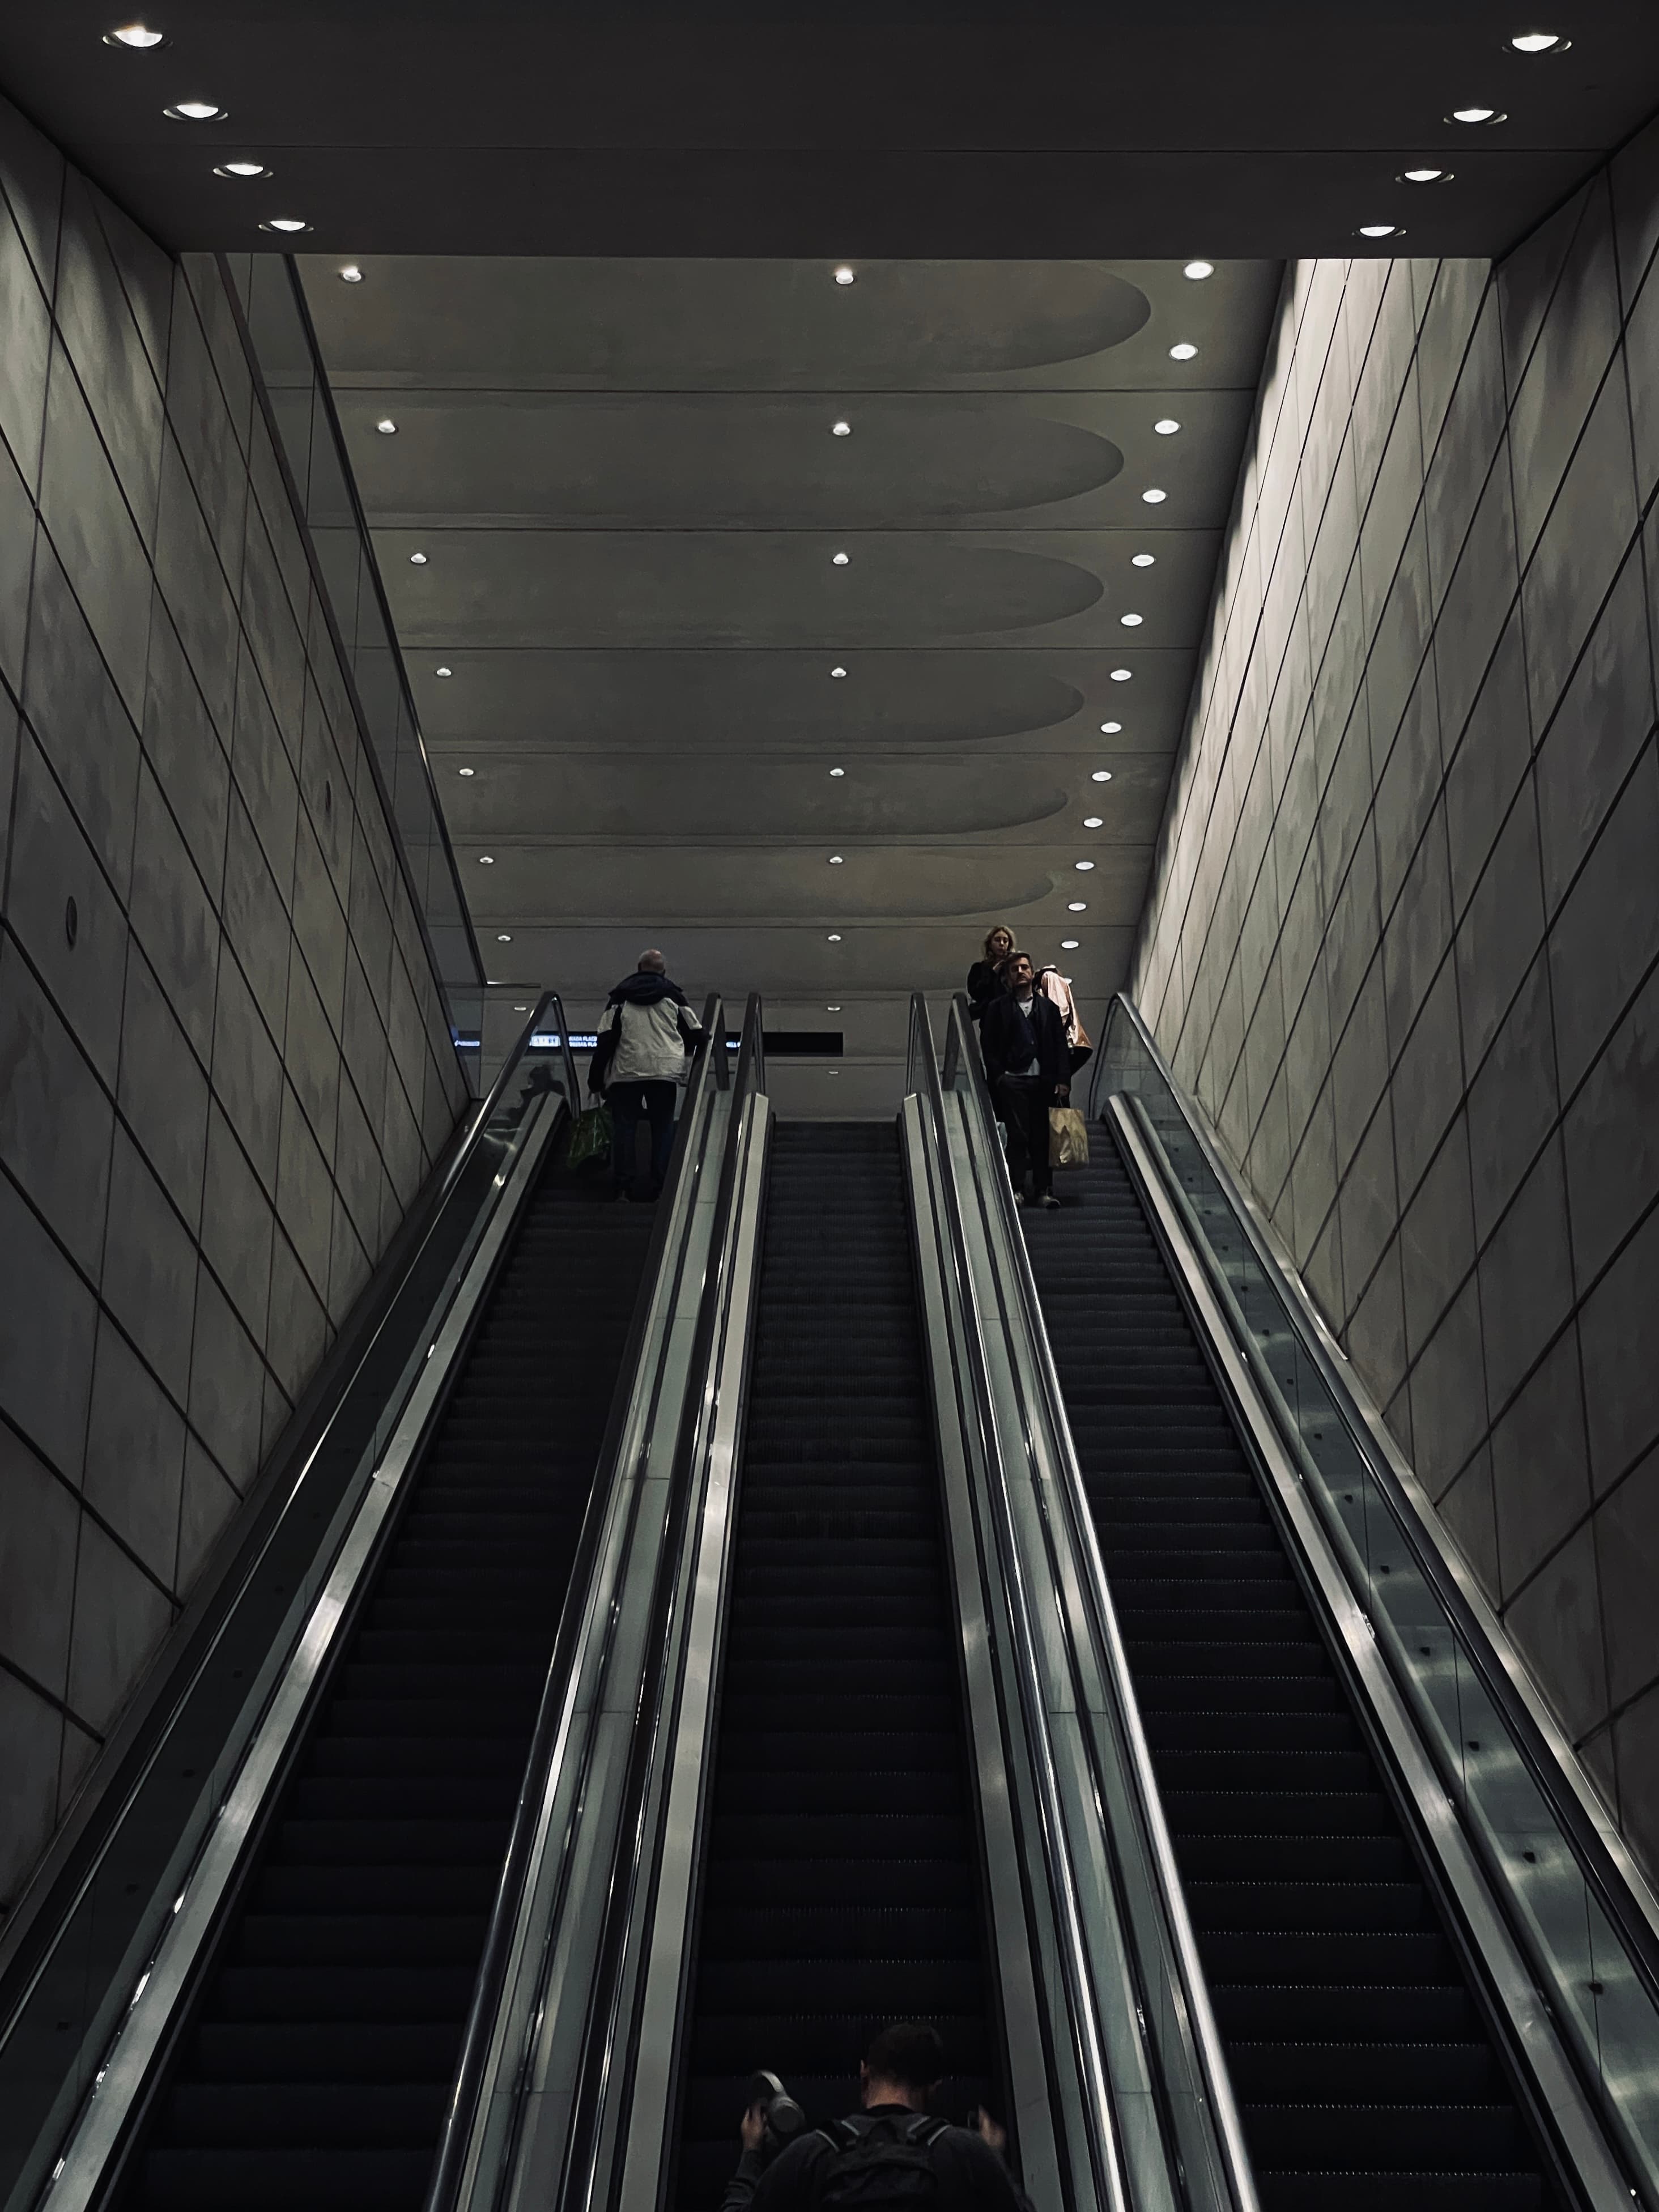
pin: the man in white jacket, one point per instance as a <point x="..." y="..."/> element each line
<point x="638" y="1063"/>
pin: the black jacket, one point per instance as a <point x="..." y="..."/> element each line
<point x="984" y="983"/>
<point x="971" y="2177"/>
<point x="1007" y="1037"/>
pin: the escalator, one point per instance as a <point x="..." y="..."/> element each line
<point x="841" y="1873"/>
<point x="1364" y="2072"/>
<point x="316" y="2064"/>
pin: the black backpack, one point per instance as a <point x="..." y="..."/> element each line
<point x="881" y="2163"/>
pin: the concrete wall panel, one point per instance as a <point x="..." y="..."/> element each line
<point x="1449" y="1110"/>
<point x="185" y="1211"/>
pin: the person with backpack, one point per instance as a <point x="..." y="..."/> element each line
<point x="891" y="2156"/>
<point x="644" y="1033"/>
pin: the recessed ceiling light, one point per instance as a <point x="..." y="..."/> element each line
<point x="1166" y="426"/>
<point x="1111" y="729"/>
<point x="837" y="771"/>
<point x="1101" y="776"/>
<point x="466" y="771"/>
<point x="486" y="860"/>
<point x="287" y="224"/>
<point x="1094" y="822"/>
<point x="443" y="671"/>
<point x="137" y="37"/>
<point x="840" y="429"/>
<point x="242" y="169"/>
<point x="1199" y="269"/>
<point x="835" y="859"/>
<point x="1154" y="497"/>
<point x="1184" y="351"/>
<point x="1122" y="674"/>
<point x="1131" y="621"/>
<point x="386" y="426"/>
<point x="1068" y="945"/>
<point x="1425" y="176"/>
<point x="845" y="275"/>
<point x="503" y="937"/>
<point x="1142" y="560"/>
<point x="521" y="1010"/>
<point x="832" y="1071"/>
<point x="835" y="937"/>
<point x="1083" y="866"/>
<point x="194" y="111"/>
<point x="417" y="560"/>
<point x="351" y="274"/>
<point x="1379" y="230"/>
<point x="832" y="1010"/>
<point x="1477" y="115"/>
<point x="838" y="560"/>
<point x="1539" y="42"/>
<point x="1077" y="906"/>
<point x="838" y="672"/>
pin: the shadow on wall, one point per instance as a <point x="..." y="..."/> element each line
<point x="224" y="1065"/>
<point x="1402" y="936"/>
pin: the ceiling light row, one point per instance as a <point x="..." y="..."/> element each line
<point x="1523" y="42"/>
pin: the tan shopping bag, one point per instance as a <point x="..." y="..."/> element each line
<point x="1068" y="1137"/>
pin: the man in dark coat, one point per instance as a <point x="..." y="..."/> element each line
<point x="1027" y="1065"/>
<point x="957" y="2168"/>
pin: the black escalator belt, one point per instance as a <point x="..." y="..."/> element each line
<point x="318" y="2065"/>
<point x="840" y="1882"/>
<point x="1365" y="2071"/>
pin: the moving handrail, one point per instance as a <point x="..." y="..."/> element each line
<point x="1094" y="2145"/>
<point x="111" y="1941"/>
<point x="545" y="2114"/>
<point x="625" y="2098"/>
<point x="1560" y="1878"/>
<point x="1051" y="1544"/>
<point x="591" y="1610"/>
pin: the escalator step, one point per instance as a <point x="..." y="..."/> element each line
<point x="317" y="2068"/>
<point x="840" y="1880"/>
<point x="1365" y="2075"/>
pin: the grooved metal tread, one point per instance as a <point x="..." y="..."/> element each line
<point x="841" y="1883"/>
<point x="317" y="2067"/>
<point x="1365" y="2075"/>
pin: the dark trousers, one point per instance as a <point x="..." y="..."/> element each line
<point x="1022" y="1104"/>
<point x="630" y="1103"/>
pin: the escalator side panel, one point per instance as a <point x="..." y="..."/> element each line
<point x="317" y="2067"/>
<point x="1364" y="2073"/>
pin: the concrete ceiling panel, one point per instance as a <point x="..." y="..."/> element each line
<point x="608" y="517"/>
<point x="646" y="588"/>
<point x="558" y="797"/>
<point x="670" y="700"/>
<point x="701" y="461"/>
<point x="755" y="325"/>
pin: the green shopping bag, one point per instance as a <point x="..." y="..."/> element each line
<point x="590" y="1140"/>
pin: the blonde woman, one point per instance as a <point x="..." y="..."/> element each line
<point x="986" y="980"/>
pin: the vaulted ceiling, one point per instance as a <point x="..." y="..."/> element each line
<point x="597" y="301"/>
<point x="797" y="623"/>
